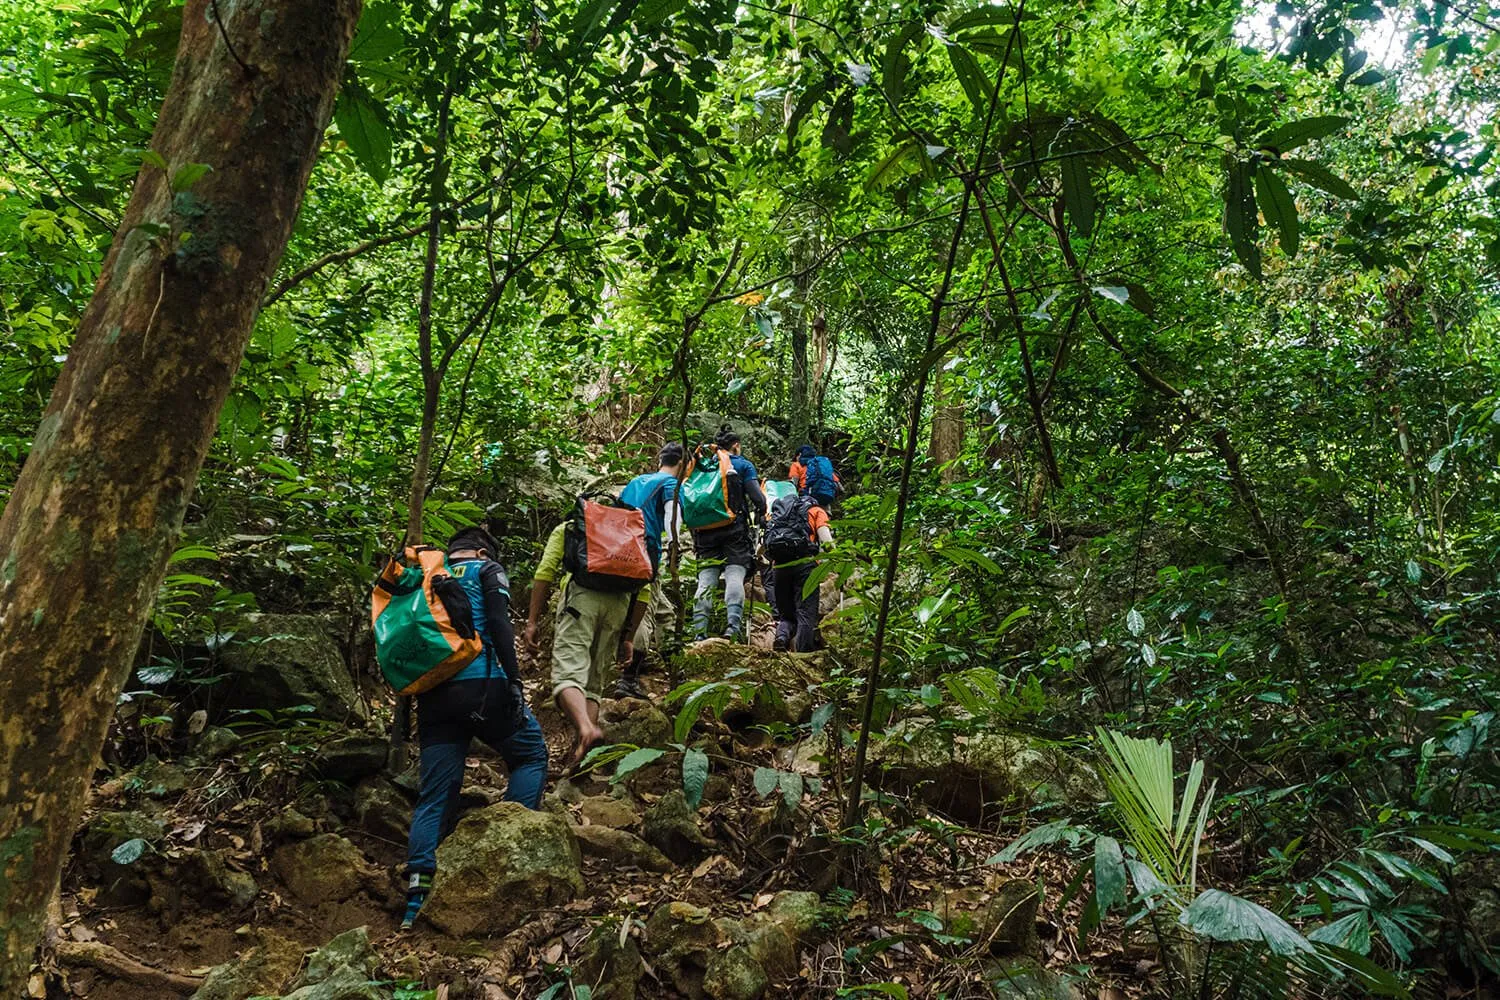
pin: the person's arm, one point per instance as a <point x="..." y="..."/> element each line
<point x="757" y="498"/>
<point x="496" y="590"/>
<point x="825" y="535"/>
<point x="541" y="584"/>
<point x="676" y="530"/>
<point x="817" y="519"/>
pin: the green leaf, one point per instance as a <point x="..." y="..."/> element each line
<point x="1219" y="916"/>
<point x="887" y="170"/>
<point x="1280" y="210"/>
<point x="379" y="36"/>
<point x="1368" y="78"/>
<point x="654" y="12"/>
<point x="791" y="788"/>
<point x="1135" y="622"/>
<point x="1109" y="874"/>
<point x="363" y="127"/>
<point x="1319" y="177"/>
<point x="1058" y="831"/>
<point x="129" y="852"/>
<point x="635" y="760"/>
<point x="975" y="82"/>
<point x="820" y="717"/>
<point x="694" y="776"/>
<point x="1239" y="214"/>
<point x="1293" y="134"/>
<point x="185" y="176"/>
<point x="766" y="779"/>
<point x="897" y="63"/>
<point x="1078" y="194"/>
<point x="810" y="99"/>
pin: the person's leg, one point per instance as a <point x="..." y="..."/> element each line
<point x="572" y="661"/>
<point x="703" y="600"/>
<point x="444" y="740"/>
<point x="525" y="753"/>
<point x="734" y="598"/>
<point x="807" y="611"/>
<point x="784" y="601"/>
<point x="606" y="615"/>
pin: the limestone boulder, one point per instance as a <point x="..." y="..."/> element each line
<point x="671" y="827"/>
<point x="973" y="778"/>
<point x="352" y="757"/>
<point x="779" y="686"/>
<point x="681" y="940"/>
<point x="622" y="848"/>
<point x="343" y="969"/>
<point x="607" y="810"/>
<point x="322" y="869"/>
<point x="382" y="809"/>
<point x="281" y="661"/>
<point x="631" y="720"/>
<point x="616" y="966"/>
<point x="261" y="970"/>
<point x="501" y="864"/>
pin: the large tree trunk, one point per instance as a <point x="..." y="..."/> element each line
<point x="947" y="440"/>
<point x="98" y="506"/>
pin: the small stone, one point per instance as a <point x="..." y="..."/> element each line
<point x="323" y="869"/>
<point x="621" y="847"/>
<point x="672" y="828"/>
<point x="219" y="884"/>
<point x="568" y="791"/>
<point x="800" y="914"/>
<point x="291" y="824"/>
<point x="215" y="742"/>
<point x="1008" y="923"/>
<point x="159" y="779"/>
<point x="606" y="810"/>
<point x="382" y="809"/>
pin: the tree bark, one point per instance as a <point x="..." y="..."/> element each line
<point x="86" y="534"/>
<point x="947" y="440"/>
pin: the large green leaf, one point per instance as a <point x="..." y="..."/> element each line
<point x="635" y="760"/>
<point x="694" y="776"/>
<point x="362" y="125"/>
<point x="379" y="36"/>
<point x="1319" y="177"/>
<point x="1078" y="193"/>
<point x="1279" y="208"/>
<point x="896" y="64"/>
<point x="1239" y="214"/>
<point x="1109" y="874"/>
<point x="1287" y="137"/>
<point x="975" y="82"/>
<point x="1219" y="916"/>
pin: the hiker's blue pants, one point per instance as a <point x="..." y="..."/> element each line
<point x="446" y="725"/>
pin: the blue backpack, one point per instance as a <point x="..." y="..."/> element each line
<point x="821" y="483"/>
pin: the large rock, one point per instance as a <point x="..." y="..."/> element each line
<point x="322" y="869"/>
<point x="352" y="757"/>
<point x="122" y="884"/>
<point x="607" y="810"/>
<point x="1479" y="897"/>
<point x="216" y="884"/>
<point x="343" y="969"/>
<point x="681" y="940"/>
<point x="631" y="720"/>
<point x="671" y="827"/>
<point x="780" y="686"/>
<point x="973" y="778"/>
<point x="765" y="445"/>
<point x="500" y="865"/>
<point x="621" y="847"/>
<point x="260" y="971"/>
<point x="280" y="661"/>
<point x="617" y="967"/>
<point x="382" y="809"/>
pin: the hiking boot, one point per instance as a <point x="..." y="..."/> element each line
<point x="700" y="636"/>
<point x="780" y="644"/>
<point x="417" y="889"/>
<point x="731" y="635"/>
<point x="630" y="687"/>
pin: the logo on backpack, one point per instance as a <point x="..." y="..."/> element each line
<point x="821" y="482"/>
<point x="712" y="494"/>
<point x="424" y="625"/>
<point x="604" y="544"/>
<point x="790" y="536"/>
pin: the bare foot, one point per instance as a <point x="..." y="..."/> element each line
<point x="587" y="739"/>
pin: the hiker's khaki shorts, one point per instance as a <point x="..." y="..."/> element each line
<point x="586" y="639"/>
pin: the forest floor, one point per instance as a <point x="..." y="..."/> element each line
<point x="224" y="879"/>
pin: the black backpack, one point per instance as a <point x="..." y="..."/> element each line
<point x="789" y="537"/>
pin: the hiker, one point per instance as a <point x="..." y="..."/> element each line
<point x="797" y="532"/>
<point x="814" y="475"/>
<point x="655" y="494"/>
<point x="726" y="549"/>
<point x="592" y="629"/>
<point x="485" y="700"/>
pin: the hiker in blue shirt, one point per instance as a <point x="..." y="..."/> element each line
<point x="484" y="700"/>
<point x="728" y="551"/>
<point x="655" y="495"/>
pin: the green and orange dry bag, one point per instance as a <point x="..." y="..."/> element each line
<point x="604" y="545"/>
<point x="712" y="494"/>
<point x="424" y="625"/>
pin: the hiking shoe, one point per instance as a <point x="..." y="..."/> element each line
<point x="780" y="644"/>
<point x="731" y="635"/>
<point x="416" y="895"/>
<point x="700" y="636"/>
<point x="630" y="687"/>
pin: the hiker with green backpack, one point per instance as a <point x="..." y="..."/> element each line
<point x="719" y="498"/>
<point x="443" y="633"/>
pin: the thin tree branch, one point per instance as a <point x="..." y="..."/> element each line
<point x="62" y="192"/>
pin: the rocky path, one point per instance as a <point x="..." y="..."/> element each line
<point x="264" y="862"/>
